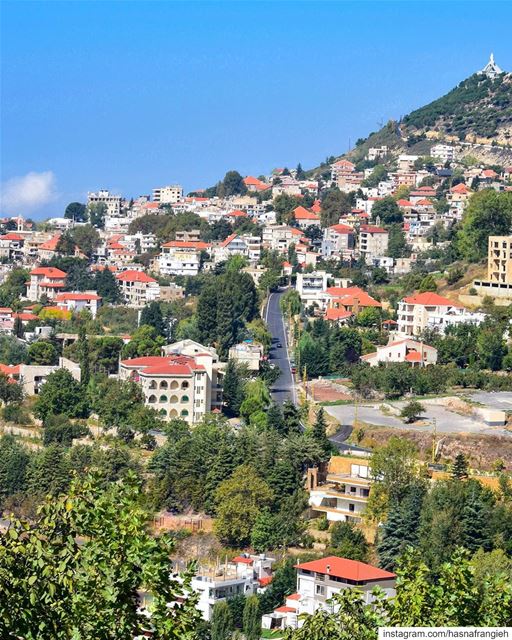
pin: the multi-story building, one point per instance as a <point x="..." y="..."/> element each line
<point x="444" y="152"/>
<point x="414" y="311"/>
<point x="32" y="377"/>
<point x="499" y="268"/>
<point x="439" y="322"/>
<point x="406" y="162"/>
<point x="248" y="353"/>
<point x="305" y="218"/>
<point x="353" y="299"/>
<point x="374" y="153"/>
<point x="47" y="281"/>
<point x="244" y="575"/>
<point x="181" y="257"/>
<point x="311" y="286"/>
<point x="457" y="199"/>
<point x="137" y="287"/>
<point x="373" y="241"/>
<point x="280" y="236"/>
<point x="184" y="383"/>
<point x="79" y="301"/>
<point x="247" y="246"/>
<point x="140" y="242"/>
<point x="341" y="494"/>
<point x="338" y="240"/>
<point x="168" y="195"/>
<point x="417" y="354"/>
<point x="113" y="202"/>
<point x="319" y="580"/>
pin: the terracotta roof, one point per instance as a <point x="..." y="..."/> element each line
<point x="459" y="188"/>
<point x="297" y="232"/>
<point x="294" y="596"/>
<point x="77" y="296"/>
<point x="48" y="272"/>
<point x="351" y="295"/>
<point x="229" y="239"/>
<point x="134" y="276"/>
<point x="51" y="244"/>
<point x="242" y="560"/>
<point x="316" y="208"/>
<point x="424" y="203"/>
<point x="285" y="610"/>
<point x="187" y="244"/>
<point x="265" y="581"/>
<point x="10" y="369"/>
<point x="341" y="228"/>
<point x="413" y="356"/>
<point x="52" y="285"/>
<point x="25" y="316"/>
<point x="301" y="213"/>
<point x="170" y="369"/>
<point x="12" y="236"/>
<point x="430" y="298"/>
<point x="346" y="569"/>
<point x="404" y="203"/>
<point x="370" y="228"/>
<point x="337" y="314"/>
<point x="237" y="213"/>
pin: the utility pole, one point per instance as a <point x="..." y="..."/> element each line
<point x="434" y="435"/>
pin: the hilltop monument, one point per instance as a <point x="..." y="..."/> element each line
<point x="491" y="69"/>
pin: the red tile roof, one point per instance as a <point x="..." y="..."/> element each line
<point x="301" y="213"/>
<point x="430" y="299"/>
<point x="12" y="236"/>
<point x="351" y="295"/>
<point x="285" y="610"/>
<point x="242" y="560"/>
<point x="294" y="596"/>
<point x="337" y="314"/>
<point x="10" y="369"/>
<point x="459" y="188"/>
<point x="77" y="296"/>
<point x="413" y="356"/>
<point x="48" y="272"/>
<point x="404" y="203"/>
<point x="341" y="228"/>
<point x="370" y="228"/>
<point x="51" y="244"/>
<point x="52" y="285"/>
<point x="134" y="276"/>
<point x="238" y="214"/>
<point x="346" y="569"/>
<point x="229" y="239"/>
<point x="266" y="580"/>
<point x="187" y="244"/>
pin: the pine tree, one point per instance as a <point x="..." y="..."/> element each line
<point x="319" y="434"/>
<point x="263" y="535"/>
<point x="476" y="519"/>
<point x="107" y="287"/>
<point x="152" y="316"/>
<point x="460" y="467"/>
<point x="390" y="542"/>
<point x="18" y="329"/>
<point x="300" y="173"/>
<point x="232" y="390"/>
<point x="275" y="419"/>
<point x="291" y="418"/>
<point x="222" y="621"/>
<point x="226" y="327"/>
<point x="252" y="618"/>
<point x="207" y="315"/>
<point x="83" y="351"/>
<point x="284" y="478"/>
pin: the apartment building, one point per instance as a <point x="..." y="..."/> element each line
<point x="280" y="236"/>
<point x="417" y="354"/>
<point x="168" y="195"/>
<point x="32" y="377"/>
<point x="181" y="257"/>
<point x="374" y="153"/>
<point x="140" y="242"/>
<point x="113" y="202"/>
<point x="342" y="493"/>
<point x="311" y="287"/>
<point x="244" y="575"/>
<point x="137" y="287"/>
<point x="499" y="269"/>
<point x="338" y="240"/>
<point x="457" y="199"/>
<point x="235" y="245"/>
<point x="373" y="241"/>
<point x="305" y="218"/>
<point x="414" y="311"/>
<point x="45" y="281"/>
<point x="445" y="152"/>
<point x="319" y="580"/>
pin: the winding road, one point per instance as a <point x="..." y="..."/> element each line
<point x="284" y="388"/>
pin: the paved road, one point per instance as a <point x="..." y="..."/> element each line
<point x="283" y="388"/>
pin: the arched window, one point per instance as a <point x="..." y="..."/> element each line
<point x="163" y="384"/>
<point x="152" y="384"/>
<point x="173" y="399"/>
<point x="152" y="399"/>
<point x="184" y="398"/>
<point x="162" y="412"/>
<point x="184" y="413"/>
<point x="174" y="384"/>
<point x="163" y="398"/>
<point x="184" y="384"/>
<point x="173" y="413"/>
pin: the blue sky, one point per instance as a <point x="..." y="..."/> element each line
<point x="133" y="95"/>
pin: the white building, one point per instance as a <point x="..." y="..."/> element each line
<point x="79" y="301"/>
<point x="373" y="242"/>
<point x="441" y="321"/>
<point x="244" y="575"/>
<point x="319" y="580"/>
<point x="168" y="195"/>
<point x="137" y="287"/>
<point x="235" y="245"/>
<point x="181" y="257"/>
<point x="113" y="202"/>
<point x="410" y="351"/>
<point x="414" y="311"/>
<point x="338" y="240"/>
<point x="377" y="152"/>
<point x="45" y="281"/>
<point x="444" y="152"/>
<point x="280" y="236"/>
<point x="311" y="287"/>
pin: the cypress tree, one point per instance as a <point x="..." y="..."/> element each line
<point x="222" y="621"/>
<point x="319" y="434"/>
<point x="226" y="327"/>
<point x="232" y="389"/>
<point x="152" y="316"/>
<point x="83" y="352"/>
<point x="207" y="315"/>
<point x="291" y="418"/>
<point x="476" y="519"/>
<point x="390" y="542"/>
<point x="275" y="419"/>
<point x="18" y="329"/>
<point x="252" y="618"/>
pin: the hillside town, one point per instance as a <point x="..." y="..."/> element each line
<point x="266" y="406"/>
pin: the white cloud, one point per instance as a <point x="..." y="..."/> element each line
<point x="29" y="192"/>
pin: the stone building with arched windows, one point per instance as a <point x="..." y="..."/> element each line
<point x="178" y="385"/>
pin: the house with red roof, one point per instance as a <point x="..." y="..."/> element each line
<point x="410" y="351"/>
<point x="319" y="580"/>
<point x="256" y="185"/>
<point x="305" y="218"/>
<point x="457" y="199"/>
<point x="338" y="240"/>
<point x="79" y="301"/>
<point x="414" y="311"/>
<point x="47" y="281"/>
<point x="181" y="257"/>
<point x="137" y="287"/>
<point x="353" y="299"/>
<point x="48" y="249"/>
<point x="280" y="236"/>
<point x="238" y="245"/>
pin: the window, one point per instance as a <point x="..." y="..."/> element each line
<point x="173" y="399"/>
<point x="351" y="507"/>
<point x="184" y="384"/>
<point x="163" y="412"/>
<point x="185" y="399"/>
<point x="184" y="413"/>
<point x="163" y="398"/>
<point x="163" y="384"/>
<point x="174" y="384"/>
<point x="152" y="399"/>
<point x="152" y="384"/>
<point x="320" y="590"/>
